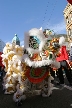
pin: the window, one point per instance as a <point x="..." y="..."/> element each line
<point x="67" y="20"/>
<point x="69" y="32"/>
<point x="17" y="43"/>
<point x="71" y="16"/>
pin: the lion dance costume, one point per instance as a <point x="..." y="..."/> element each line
<point x="30" y="65"/>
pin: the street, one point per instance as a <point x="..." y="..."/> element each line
<point x="61" y="98"/>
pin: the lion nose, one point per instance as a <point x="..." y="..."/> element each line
<point x="56" y="45"/>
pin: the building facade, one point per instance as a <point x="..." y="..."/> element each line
<point x="2" y="45"/>
<point x="15" y="40"/>
<point x="68" y="19"/>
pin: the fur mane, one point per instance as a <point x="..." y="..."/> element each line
<point x="35" y="64"/>
<point x="40" y="36"/>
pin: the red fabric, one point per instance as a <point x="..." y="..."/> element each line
<point x="35" y="80"/>
<point x="63" y="54"/>
<point x="1" y="60"/>
<point x="1" y="53"/>
<point x="70" y="1"/>
<point x="1" y="64"/>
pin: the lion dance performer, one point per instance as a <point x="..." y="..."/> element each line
<point x="63" y="59"/>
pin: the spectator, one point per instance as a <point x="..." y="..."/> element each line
<point x="71" y="53"/>
<point x="63" y="59"/>
<point x="1" y="73"/>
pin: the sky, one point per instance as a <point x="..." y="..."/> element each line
<point x="19" y="16"/>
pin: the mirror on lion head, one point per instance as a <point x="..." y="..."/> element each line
<point x="34" y="42"/>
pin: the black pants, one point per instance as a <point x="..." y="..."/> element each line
<point x="63" y="64"/>
<point x="52" y="72"/>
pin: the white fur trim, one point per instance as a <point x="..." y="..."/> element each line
<point x="50" y="78"/>
<point x="37" y="32"/>
<point x="70" y="44"/>
<point x="23" y="97"/>
<point x="61" y="40"/>
<point x="8" y="79"/>
<point x="8" y="85"/>
<point x="40" y="28"/>
<point x="19" y="68"/>
<point x="38" y="63"/>
<point x="14" y="75"/>
<point x="10" y="92"/>
<point x="14" y="97"/>
<point x="40" y="36"/>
